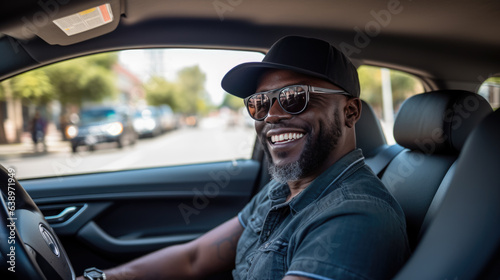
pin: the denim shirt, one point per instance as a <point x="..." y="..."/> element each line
<point x="344" y="225"/>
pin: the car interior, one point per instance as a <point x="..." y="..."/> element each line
<point x="441" y="165"/>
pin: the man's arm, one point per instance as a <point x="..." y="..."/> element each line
<point x="213" y="252"/>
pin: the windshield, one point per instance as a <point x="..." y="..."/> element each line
<point x="99" y="115"/>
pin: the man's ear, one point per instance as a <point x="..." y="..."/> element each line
<point x="352" y="111"/>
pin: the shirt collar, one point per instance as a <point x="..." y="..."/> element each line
<point x="323" y="183"/>
<point x="278" y="192"/>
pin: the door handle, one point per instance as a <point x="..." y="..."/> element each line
<point x="64" y="215"/>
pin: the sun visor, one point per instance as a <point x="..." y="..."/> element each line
<point x="66" y="24"/>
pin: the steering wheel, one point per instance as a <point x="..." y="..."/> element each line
<point x="30" y="246"/>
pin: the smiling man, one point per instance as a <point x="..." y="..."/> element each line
<point x="325" y="215"/>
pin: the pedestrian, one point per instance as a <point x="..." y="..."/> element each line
<point x="38" y="131"/>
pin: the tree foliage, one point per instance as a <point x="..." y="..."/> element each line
<point x="186" y="94"/>
<point x="105" y="60"/>
<point x="495" y="80"/>
<point x="33" y="87"/>
<point x="84" y="79"/>
<point x="232" y="102"/>
<point x="159" y="91"/>
<point x="403" y="86"/>
<point x="191" y="82"/>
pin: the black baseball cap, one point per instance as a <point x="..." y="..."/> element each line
<point x="309" y="56"/>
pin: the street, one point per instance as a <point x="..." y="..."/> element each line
<point x="209" y="142"/>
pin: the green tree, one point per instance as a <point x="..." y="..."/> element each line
<point x="371" y="85"/>
<point x="105" y="60"/>
<point x="83" y="79"/>
<point x="186" y="94"/>
<point x="402" y="85"/>
<point x="495" y="80"/>
<point x="33" y="87"/>
<point x="160" y="91"/>
<point x="204" y="105"/>
<point x="232" y="102"/>
<point x="191" y="81"/>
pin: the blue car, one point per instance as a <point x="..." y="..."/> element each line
<point x="101" y="125"/>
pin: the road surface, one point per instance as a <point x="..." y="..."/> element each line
<point x="209" y="142"/>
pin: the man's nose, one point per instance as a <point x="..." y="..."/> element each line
<point x="276" y="113"/>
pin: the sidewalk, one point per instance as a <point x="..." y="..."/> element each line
<point x="53" y="140"/>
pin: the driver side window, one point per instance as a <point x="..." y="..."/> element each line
<point x="124" y="110"/>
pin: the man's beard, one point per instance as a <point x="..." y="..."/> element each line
<point x="314" y="154"/>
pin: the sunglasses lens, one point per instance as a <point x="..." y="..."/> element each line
<point x="293" y="99"/>
<point x="258" y="106"/>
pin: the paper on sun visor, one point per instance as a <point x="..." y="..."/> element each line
<point x="85" y="20"/>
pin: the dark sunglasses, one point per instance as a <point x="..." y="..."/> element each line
<point x="292" y="99"/>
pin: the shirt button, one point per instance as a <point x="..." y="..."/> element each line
<point x="268" y="233"/>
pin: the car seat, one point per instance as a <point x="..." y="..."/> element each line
<point x="432" y="127"/>
<point x="369" y="135"/>
<point x="463" y="240"/>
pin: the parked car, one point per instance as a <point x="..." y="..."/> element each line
<point x="148" y="122"/>
<point x="101" y="125"/>
<point x="168" y="118"/>
<point x="157" y="198"/>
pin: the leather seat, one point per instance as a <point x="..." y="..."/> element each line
<point x="432" y="127"/>
<point x="369" y="135"/>
<point x="463" y="240"/>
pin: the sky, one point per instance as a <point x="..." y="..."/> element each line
<point x="214" y="63"/>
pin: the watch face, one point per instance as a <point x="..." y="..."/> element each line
<point x="94" y="274"/>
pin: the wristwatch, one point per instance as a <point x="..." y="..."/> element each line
<point x="94" y="274"/>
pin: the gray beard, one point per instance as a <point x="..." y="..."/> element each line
<point x="313" y="156"/>
<point x="283" y="174"/>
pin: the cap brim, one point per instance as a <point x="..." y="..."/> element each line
<point x="242" y="80"/>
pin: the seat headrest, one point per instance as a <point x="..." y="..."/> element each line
<point x="369" y="135"/>
<point x="439" y="121"/>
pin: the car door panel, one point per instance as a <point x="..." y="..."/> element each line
<point x="104" y="219"/>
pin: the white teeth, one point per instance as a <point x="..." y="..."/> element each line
<point x="286" y="137"/>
